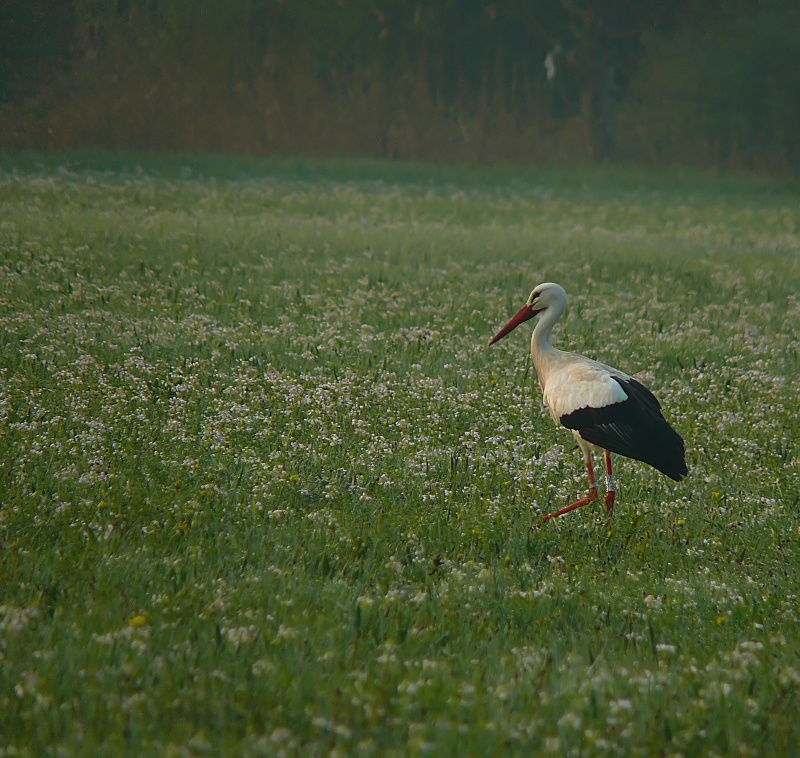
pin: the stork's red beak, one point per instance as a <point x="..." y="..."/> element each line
<point x="525" y="314"/>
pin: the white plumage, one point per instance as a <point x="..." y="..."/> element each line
<point x="603" y="407"/>
<point x="568" y="385"/>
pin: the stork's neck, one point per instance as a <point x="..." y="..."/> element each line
<point x="542" y="349"/>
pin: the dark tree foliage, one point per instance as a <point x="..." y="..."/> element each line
<point x="476" y="62"/>
<point x="33" y="34"/>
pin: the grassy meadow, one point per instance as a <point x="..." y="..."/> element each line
<point x="266" y="490"/>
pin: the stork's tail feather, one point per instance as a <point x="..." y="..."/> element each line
<point x="670" y="457"/>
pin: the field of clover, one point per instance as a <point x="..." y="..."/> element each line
<point x="266" y="490"/>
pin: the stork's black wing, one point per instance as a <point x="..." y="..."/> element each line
<point x="634" y="428"/>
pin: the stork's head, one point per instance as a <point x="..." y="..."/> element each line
<point x="543" y="297"/>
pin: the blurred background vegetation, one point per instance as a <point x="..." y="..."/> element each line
<point x="705" y="83"/>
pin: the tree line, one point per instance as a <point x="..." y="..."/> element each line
<point x="702" y="82"/>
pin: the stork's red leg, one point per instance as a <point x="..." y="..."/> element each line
<point x="611" y="488"/>
<point x="590" y="498"/>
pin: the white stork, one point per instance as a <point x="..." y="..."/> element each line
<point x="604" y="408"/>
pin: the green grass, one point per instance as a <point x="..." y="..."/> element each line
<point x="264" y="488"/>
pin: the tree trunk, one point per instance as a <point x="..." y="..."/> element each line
<point x="603" y="110"/>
